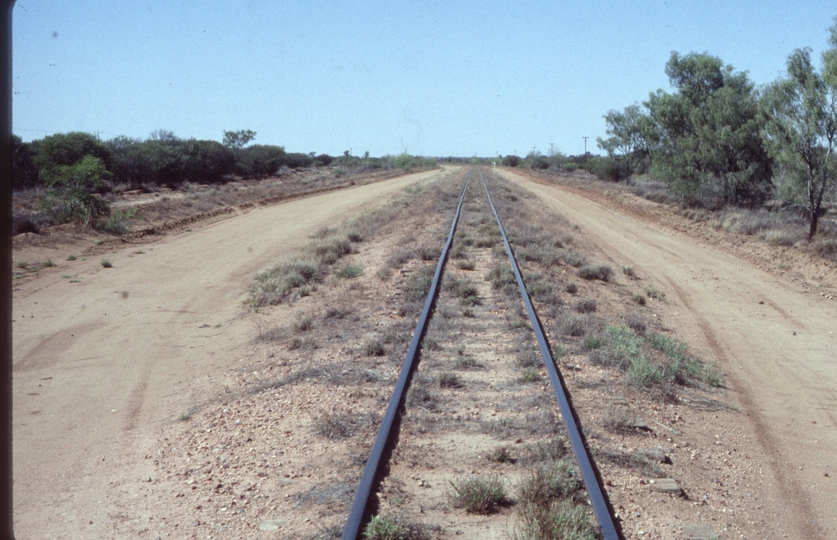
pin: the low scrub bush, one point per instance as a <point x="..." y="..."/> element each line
<point x="501" y="454"/>
<point x="500" y="276"/>
<point x="573" y="258"/>
<point x="335" y="427"/>
<point x="622" y="347"/>
<point x="596" y="271"/>
<point x="550" y="506"/>
<point x="419" y="396"/>
<point x="654" y="293"/>
<point x="527" y="359"/>
<point x="450" y="380"/>
<point x="394" y="528"/>
<point x="276" y="281"/>
<point x="399" y="257"/>
<point x="587" y="305"/>
<point x="117" y="222"/>
<point x="549" y="483"/>
<point x="373" y="347"/>
<point x="349" y="271"/>
<point x="478" y="495"/>
<point x="467" y="362"/>
<point x="303" y="322"/>
<point x="466" y="264"/>
<point x="531" y="375"/>
<point x="416" y="287"/>
<point x="570" y="325"/>
<point x="782" y="237"/>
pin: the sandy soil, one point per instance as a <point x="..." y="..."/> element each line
<point x="773" y="337"/>
<point x="102" y="355"/>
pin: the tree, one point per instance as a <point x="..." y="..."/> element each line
<point x="64" y="149"/>
<point x="625" y="130"/>
<point x="801" y="130"/>
<point x="259" y="161"/>
<point x="705" y="139"/>
<point x="238" y="139"/>
<point x="205" y="161"/>
<point x="24" y="171"/>
<point x="71" y="195"/>
<point x="511" y="161"/>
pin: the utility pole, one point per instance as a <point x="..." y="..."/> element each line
<point x="551" y="151"/>
<point x="585" y="148"/>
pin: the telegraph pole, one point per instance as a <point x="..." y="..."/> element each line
<point x="585" y="148"/>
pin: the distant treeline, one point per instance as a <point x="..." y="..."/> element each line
<point x="164" y="159"/>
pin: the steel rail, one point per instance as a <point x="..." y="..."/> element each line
<point x="370" y="471"/>
<point x="588" y="473"/>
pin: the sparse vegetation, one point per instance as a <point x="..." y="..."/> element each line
<point x="106" y="263"/>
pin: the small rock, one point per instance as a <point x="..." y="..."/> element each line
<point x="654" y="454"/>
<point x="697" y="532"/>
<point x="637" y="423"/>
<point x="272" y="524"/>
<point x="665" y="485"/>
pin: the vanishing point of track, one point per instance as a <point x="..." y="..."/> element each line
<point x="359" y="514"/>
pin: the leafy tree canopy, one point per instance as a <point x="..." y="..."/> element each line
<point x="705" y="138"/>
<point x="238" y="139"/>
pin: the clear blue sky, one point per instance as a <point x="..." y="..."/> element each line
<point x="430" y="77"/>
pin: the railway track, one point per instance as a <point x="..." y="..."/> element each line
<point x="378" y="464"/>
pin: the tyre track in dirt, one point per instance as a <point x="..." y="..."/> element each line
<point x="774" y="340"/>
<point x="101" y="362"/>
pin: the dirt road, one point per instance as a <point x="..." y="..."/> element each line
<point x="102" y="355"/>
<point x="775" y="341"/>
